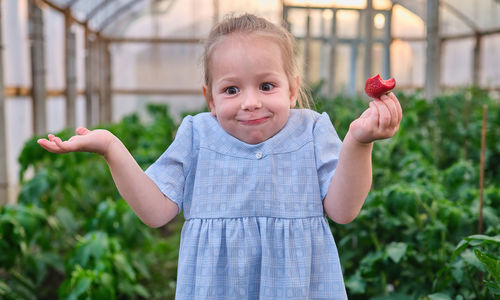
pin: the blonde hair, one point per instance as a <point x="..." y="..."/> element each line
<point x="251" y="24"/>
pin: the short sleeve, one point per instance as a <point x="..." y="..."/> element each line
<point x="169" y="172"/>
<point x="327" y="149"/>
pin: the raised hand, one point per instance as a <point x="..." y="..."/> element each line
<point x="96" y="141"/>
<point x="380" y="121"/>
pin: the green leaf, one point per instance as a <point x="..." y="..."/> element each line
<point x="439" y="296"/>
<point x="458" y="271"/>
<point x="123" y="266"/>
<point x="484" y="238"/>
<point x="493" y="287"/>
<point x="459" y="249"/>
<point x="356" y="285"/>
<point x="4" y="288"/>
<point x="491" y="263"/>
<point x="66" y="219"/>
<point x="396" y="251"/>
<point x="142" y="291"/>
<point x="392" y="296"/>
<point x="81" y="286"/>
<point x="469" y="257"/>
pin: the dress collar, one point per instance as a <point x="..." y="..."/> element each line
<point x="296" y="133"/>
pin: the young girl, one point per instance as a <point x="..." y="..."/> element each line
<point x="255" y="176"/>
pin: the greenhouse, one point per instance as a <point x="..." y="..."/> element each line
<point x="428" y="229"/>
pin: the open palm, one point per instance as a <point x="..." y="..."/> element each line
<point x="85" y="140"/>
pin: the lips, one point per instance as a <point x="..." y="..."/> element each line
<point x="254" y="121"/>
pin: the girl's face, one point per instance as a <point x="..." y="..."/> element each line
<point x="250" y="94"/>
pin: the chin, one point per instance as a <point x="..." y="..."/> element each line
<point x="253" y="139"/>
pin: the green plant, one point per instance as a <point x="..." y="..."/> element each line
<point x="482" y="258"/>
<point x="424" y="198"/>
<point x="82" y="236"/>
<point x="72" y="230"/>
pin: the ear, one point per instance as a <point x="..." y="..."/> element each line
<point x="210" y="100"/>
<point x="294" y="91"/>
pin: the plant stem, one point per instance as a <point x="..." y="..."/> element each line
<point x="481" y="170"/>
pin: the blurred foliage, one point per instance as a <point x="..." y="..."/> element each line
<point x="424" y="201"/>
<point x="71" y="236"/>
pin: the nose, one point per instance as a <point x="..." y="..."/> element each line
<point x="251" y="101"/>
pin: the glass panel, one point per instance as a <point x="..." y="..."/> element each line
<point x="83" y="7"/>
<point x="347" y="23"/>
<point x="328" y="3"/>
<point x="454" y="51"/>
<point x="382" y="4"/>
<point x="297" y="19"/>
<point x="408" y="63"/>
<point x="406" y="24"/>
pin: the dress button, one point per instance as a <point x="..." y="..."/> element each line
<point x="258" y="155"/>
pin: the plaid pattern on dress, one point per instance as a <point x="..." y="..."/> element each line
<point x="255" y="226"/>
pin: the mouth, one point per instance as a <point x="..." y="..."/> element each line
<point x="254" y="121"/>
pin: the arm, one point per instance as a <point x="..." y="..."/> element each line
<point x="140" y="192"/>
<point x="353" y="177"/>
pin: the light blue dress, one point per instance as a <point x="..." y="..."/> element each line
<point x="255" y="226"/>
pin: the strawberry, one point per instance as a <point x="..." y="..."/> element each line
<point x="376" y="86"/>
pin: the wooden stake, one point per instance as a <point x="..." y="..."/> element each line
<point x="38" y="92"/>
<point x="70" y="71"/>
<point x="481" y="169"/>
<point x="4" y="178"/>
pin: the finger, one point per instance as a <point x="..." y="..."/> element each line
<point x="54" y="145"/>
<point x="391" y="106"/>
<point x="57" y="140"/>
<point x="373" y="115"/>
<point x="384" y="119"/>
<point x="68" y="146"/>
<point x="399" y="109"/>
<point x="366" y="113"/>
<point x="49" y="146"/>
<point x="62" y="145"/>
<point x="82" y="131"/>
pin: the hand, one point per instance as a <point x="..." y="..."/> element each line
<point x="380" y="121"/>
<point x="96" y="141"/>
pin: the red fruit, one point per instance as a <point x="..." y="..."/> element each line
<point x="376" y="86"/>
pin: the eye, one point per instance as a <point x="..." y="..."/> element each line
<point x="232" y="90"/>
<point x="266" y="86"/>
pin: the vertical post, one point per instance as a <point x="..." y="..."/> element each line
<point x="307" y="48"/>
<point x="367" y="71"/>
<point x="354" y="60"/>
<point x="433" y="51"/>
<point x="323" y="68"/>
<point x="476" y="68"/>
<point x="481" y="170"/>
<point x="333" y="48"/>
<point x="89" y="107"/>
<point x="38" y="91"/>
<point x="4" y="179"/>
<point x="96" y="80"/>
<point x="105" y="111"/>
<point x="387" y="46"/>
<point x="70" y="70"/>
<point x="286" y="23"/>
<point x="216" y="11"/>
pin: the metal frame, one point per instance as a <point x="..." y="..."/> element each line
<point x="4" y="176"/>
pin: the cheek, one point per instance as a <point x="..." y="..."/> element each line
<point x="225" y="109"/>
<point x="281" y="105"/>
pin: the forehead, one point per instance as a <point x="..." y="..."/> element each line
<point x="246" y="50"/>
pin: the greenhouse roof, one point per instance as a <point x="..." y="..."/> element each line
<point x="458" y="17"/>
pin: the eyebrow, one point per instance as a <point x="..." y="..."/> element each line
<point x="231" y="78"/>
